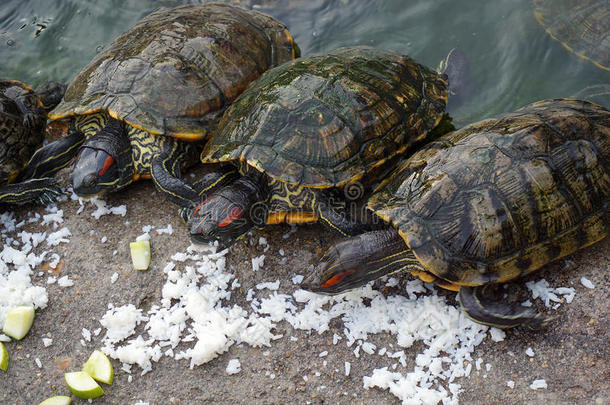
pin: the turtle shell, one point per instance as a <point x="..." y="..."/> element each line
<point x="328" y="119"/>
<point x="22" y="122"/>
<point x="582" y="27"/>
<point x="502" y="197"/>
<point x="175" y="71"/>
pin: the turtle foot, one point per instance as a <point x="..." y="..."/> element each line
<point x="498" y="313"/>
<point x="41" y="191"/>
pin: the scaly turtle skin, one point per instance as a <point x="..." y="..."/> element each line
<point x="308" y="129"/>
<point x="582" y="27"/>
<point x="23" y="117"/>
<point x="145" y="105"/>
<point x="486" y="204"/>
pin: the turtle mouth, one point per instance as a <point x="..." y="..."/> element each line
<point x="199" y="239"/>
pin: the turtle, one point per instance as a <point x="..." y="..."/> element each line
<point x="312" y="134"/>
<point x="23" y="117"/>
<point x="581" y="26"/>
<point x="143" y="107"/>
<point x="457" y="68"/>
<point x="486" y="204"/>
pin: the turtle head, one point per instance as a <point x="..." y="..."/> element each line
<point x="456" y="69"/>
<point x="228" y="214"/>
<point x="339" y="270"/>
<point x="353" y="262"/>
<point x="104" y="162"/>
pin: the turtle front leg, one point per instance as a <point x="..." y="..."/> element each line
<point x="166" y="174"/>
<point x="497" y="313"/>
<point x="42" y="191"/>
<point x="338" y="222"/>
<point x="53" y="157"/>
<point x="212" y="181"/>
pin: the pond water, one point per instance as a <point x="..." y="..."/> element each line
<point x="512" y="60"/>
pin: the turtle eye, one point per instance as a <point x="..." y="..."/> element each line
<point x="107" y="164"/>
<point x="337" y="278"/>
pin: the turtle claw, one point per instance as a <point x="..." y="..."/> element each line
<point x="49" y="191"/>
<point x="41" y="191"/>
<point x="537" y="321"/>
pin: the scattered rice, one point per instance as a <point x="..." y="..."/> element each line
<point x="144" y="236"/>
<point x="17" y="263"/>
<point x="86" y="334"/>
<point x="168" y="230"/>
<point x="269" y="285"/>
<point x="540" y="289"/>
<point x="587" y="283"/>
<point x="233" y="367"/>
<point x="101" y="207"/>
<point x="497" y="334"/>
<point x="258" y="262"/>
<point x="58" y="237"/>
<point x="120" y="322"/>
<point x="65" y="282"/>
<point x="538" y="384"/>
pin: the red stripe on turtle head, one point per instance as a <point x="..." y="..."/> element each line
<point x="107" y="164"/>
<point x="235" y="213"/>
<point x="336" y="279"/>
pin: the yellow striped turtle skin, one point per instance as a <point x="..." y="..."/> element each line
<point x="501" y="198"/>
<point x="581" y="26"/>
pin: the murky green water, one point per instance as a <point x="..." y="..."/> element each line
<point x="513" y="61"/>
